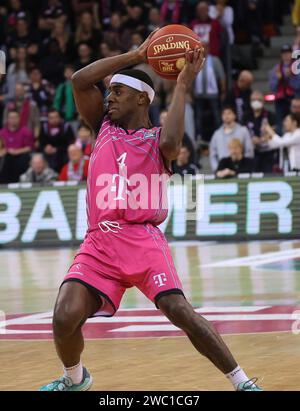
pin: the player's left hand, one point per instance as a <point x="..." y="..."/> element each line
<point x="195" y="60"/>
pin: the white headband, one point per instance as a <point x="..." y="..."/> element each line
<point x="134" y="83"/>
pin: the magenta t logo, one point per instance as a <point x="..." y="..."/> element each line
<point x="2" y="62"/>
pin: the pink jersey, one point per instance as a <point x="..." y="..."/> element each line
<point x="127" y="177"/>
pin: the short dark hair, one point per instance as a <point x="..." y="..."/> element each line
<point x="231" y="108"/>
<point x="138" y="74"/>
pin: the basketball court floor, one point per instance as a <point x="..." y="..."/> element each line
<point x="250" y="291"/>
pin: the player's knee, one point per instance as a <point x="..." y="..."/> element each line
<point x="180" y="313"/>
<point x="66" y="320"/>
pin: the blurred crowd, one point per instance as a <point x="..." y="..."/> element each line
<point x="229" y="128"/>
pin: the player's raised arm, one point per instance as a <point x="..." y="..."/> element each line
<point x="88" y="97"/>
<point x="173" y="129"/>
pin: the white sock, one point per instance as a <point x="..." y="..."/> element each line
<point x="237" y="376"/>
<point x="75" y="373"/>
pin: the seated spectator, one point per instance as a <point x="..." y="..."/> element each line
<point x="40" y="91"/>
<point x="115" y="35"/>
<point x="85" y="56"/>
<point x="225" y="15"/>
<point x="209" y="90"/>
<point x="154" y="20"/>
<point x="79" y="7"/>
<point x="64" y="100"/>
<point x="84" y="140"/>
<point x="63" y="37"/>
<point x="53" y="63"/>
<point x="295" y="105"/>
<point x="290" y="140"/>
<point x="26" y="107"/>
<point x="236" y="163"/>
<point x="134" y="18"/>
<point x="239" y="96"/>
<point x="17" y="72"/>
<point x="208" y="30"/>
<point x="23" y="37"/>
<point x="55" y="137"/>
<point x="87" y="32"/>
<point x="183" y="165"/>
<point x="50" y="13"/>
<point x="230" y="129"/>
<point x="284" y="84"/>
<point x="18" y="142"/>
<point x="77" y="167"/>
<point x="254" y="120"/>
<point x="39" y="172"/>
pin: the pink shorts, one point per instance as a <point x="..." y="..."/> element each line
<point x="135" y="255"/>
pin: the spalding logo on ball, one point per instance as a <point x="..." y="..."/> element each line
<point x="166" y="52"/>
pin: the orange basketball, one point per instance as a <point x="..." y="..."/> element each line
<point x="166" y="52"/>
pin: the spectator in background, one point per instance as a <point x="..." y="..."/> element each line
<point x="55" y="137"/>
<point x="239" y="96"/>
<point x="14" y="12"/>
<point x="284" y="84"/>
<point x="80" y="6"/>
<point x="85" y="56"/>
<point x="64" y="39"/>
<point x="23" y="37"/>
<point x="116" y="35"/>
<point x="64" y="100"/>
<point x="209" y="90"/>
<point x="154" y="20"/>
<point x="77" y="167"/>
<point x="38" y="172"/>
<point x="170" y="11"/>
<point x="134" y="19"/>
<point x="290" y="141"/>
<point x="236" y="163"/>
<point x="3" y="93"/>
<point x="53" y="63"/>
<point x="183" y="164"/>
<point x="26" y="107"/>
<point x="230" y="129"/>
<point x="254" y="120"/>
<point x="18" y="142"/>
<point x="84" y="140"/>
<point x="225" y="15"/>
<point x="40" y="91"/>
<point x="87" y="32"/>
<point x="17" y="72"/>
<point x="208" y="30"/>
<point x="295" y="106"/>
<point x="51" y="12"/>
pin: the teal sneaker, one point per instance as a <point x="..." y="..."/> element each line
<point x="248" y="386"/>
<point x="66" y="384"/>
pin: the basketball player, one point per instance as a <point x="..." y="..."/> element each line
<point x="123" y="246"/>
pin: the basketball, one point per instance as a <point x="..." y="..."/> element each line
<point x="166" y="52"/>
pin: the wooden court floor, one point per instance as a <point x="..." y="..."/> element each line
<point x="156" y="363"/>
<point x="250" y="290"/>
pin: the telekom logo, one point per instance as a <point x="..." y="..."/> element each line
<point x="160" y="279"/>
<point x="2" y="62"/>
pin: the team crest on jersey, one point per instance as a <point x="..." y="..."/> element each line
<point x="151" y="135"/>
